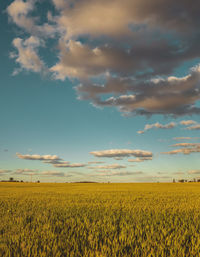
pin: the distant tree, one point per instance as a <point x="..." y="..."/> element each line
<point x="174" y="180"/>
<point x="182" y="180"/>
<point x="38" y="181"/>
<point x="11" y="179"/>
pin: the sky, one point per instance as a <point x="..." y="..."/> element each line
<point x="99" y="90"/>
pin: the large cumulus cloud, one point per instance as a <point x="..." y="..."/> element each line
<point x="124" y="53"/>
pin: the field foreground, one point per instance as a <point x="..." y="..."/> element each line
<point x="99" y="219"/>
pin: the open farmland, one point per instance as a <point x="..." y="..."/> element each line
<point x="100" y="219"/>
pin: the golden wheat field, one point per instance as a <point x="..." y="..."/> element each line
<point x="78" y="219"/>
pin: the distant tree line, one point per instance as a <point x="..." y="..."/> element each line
<point x="14" y="180"/>
<point x="185" y="180"/>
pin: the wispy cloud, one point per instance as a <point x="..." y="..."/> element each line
<point x="182" y="138"/>
<point x="193" y="172"/>
<point x="119" y="173"/>
<point x="95" y="162"/>
<point x="54" y="173"/>
<point x="157" y="125"/>
<point x="111" y="166"/>
<point x="179" y="173"/>
<point x="26" y="172"/>
<point x="51" y="159"/>
<point x="4" y="172"/>
<point x="69" y="165"/>
<point x="186" y="148"/>
<point x="141" y="159"/>
<point x="194" y="127"/>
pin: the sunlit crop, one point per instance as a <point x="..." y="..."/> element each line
<point x="99" y="219"/>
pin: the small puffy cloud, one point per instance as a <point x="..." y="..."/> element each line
<point x="187" y="122"/>
<point x="140" y="131"/>
<point x="18" y="12"/>
<point x="157" y="125"/>
<point x="191" y="172"/>
<point x="112" y="153"/>
<point x="27" y="55"/>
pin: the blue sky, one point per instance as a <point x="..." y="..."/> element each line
<point x="99" y="101"/>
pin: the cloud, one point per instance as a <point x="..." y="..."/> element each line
<point x="27" y="55"/>
<point x="111" y="166"/>
<point x="68" y="165"/>
<point x="38" y="157"/>
<point x="112" y="153"/>
<point x="187" y="145"/>
<point x="186" y="148"/>
<point x="123" y="53"/>
<point x="191" y="172"/>
<point x="20" y="13"/>
<point x="182" y="138"/>
<point x="51" y="159"/>
<point x="119" y="173"/>
<point x="4" y="172"/>
<point x="95" y="162"/>
<point x="118" y="158"/>
<point x="141" y="159"/>
<point x="179" y="173"/>
<point x="140" y="131"/>
<point x="118" y="16"/>
<point x="26" y="172"/>
<point x="157" y="125"/>
<point x="53" y="173"/>
<point x="187" y="122"/>
<point x="170" y="96"/>
<point x="195" y="127"/>
<point x="160" y="126"/>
